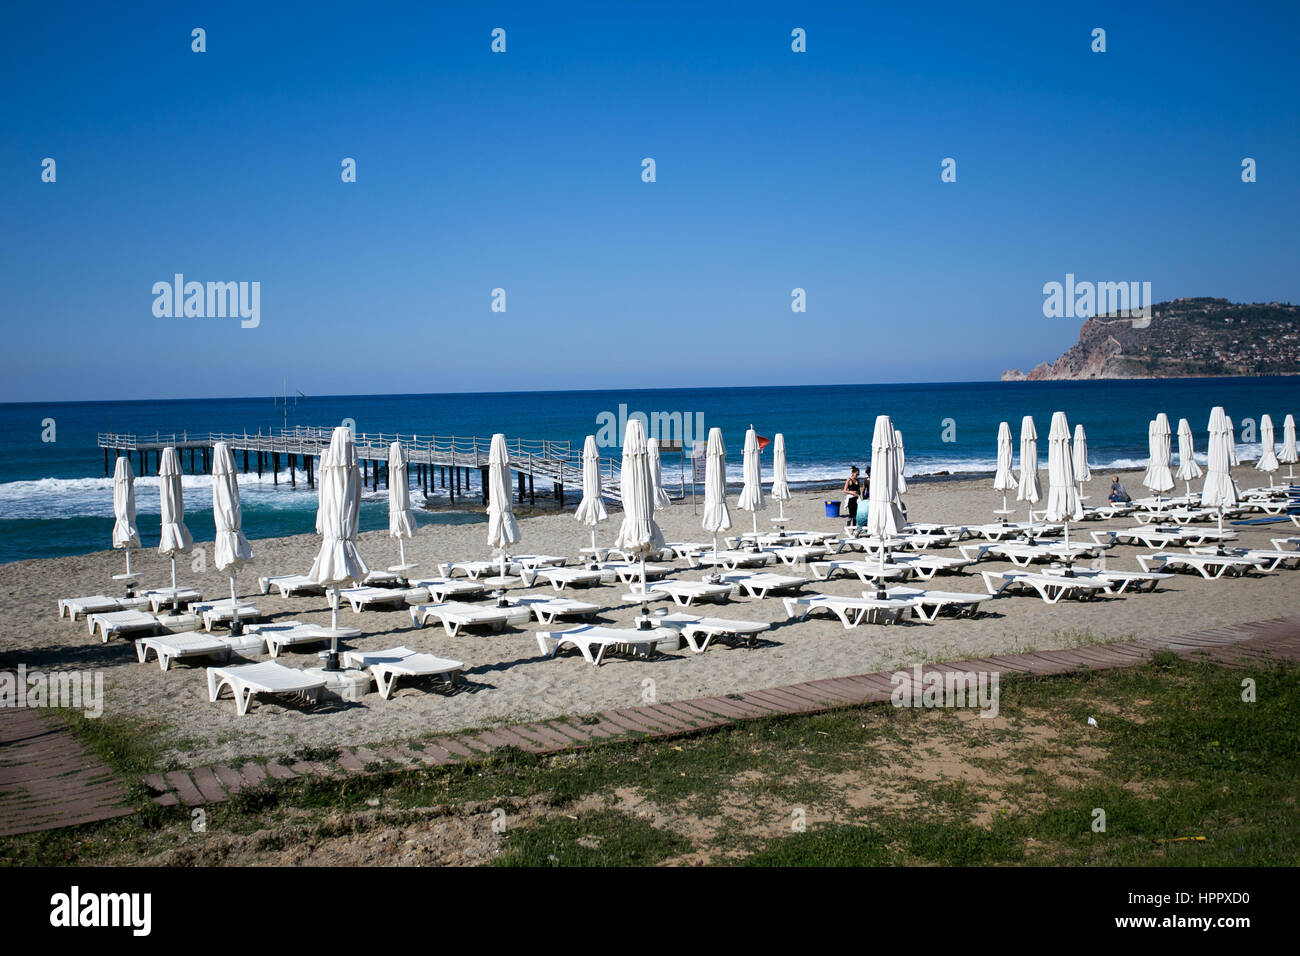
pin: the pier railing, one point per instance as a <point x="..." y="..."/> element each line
<point x="546" y="458"/>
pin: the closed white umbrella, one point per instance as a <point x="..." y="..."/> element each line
<point x="1082" y="472"/>
<point x="751" y="495"/>
<point x="1004" y="480"/>
<point x="716" y="516"/>
<point x="1029" y="490"/>
<point x="901" y="462"/>
<point x="1267" y="454"/>
<point x="1232" y="443"/>
<point x="1188" y="469"/>
<point x="401" y="519"/>
<point x="885" y="516"/>
<point x="231" y="549"/>
<point x="1158" y="477"/>
<point x="657" y="493"/>
<point x="125" y="534"/>
<point x="1062" y="499"/>
<point x="503" y="527"/>
<point x="591" y="510"/>
<point x="780" y="487"/>
<point x="638" y="534"/>
<point x="1219" y="490"/>
<point x="175" y="538"/>
<point x="1290" y="455"/>
<point x="337" y="516"/>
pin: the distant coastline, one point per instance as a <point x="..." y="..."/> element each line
<point x="1183" y="338"/>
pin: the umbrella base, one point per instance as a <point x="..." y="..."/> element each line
<point x="501" y="580"/>
<point x="399" y="568"/>
<point x="342" y="684"/>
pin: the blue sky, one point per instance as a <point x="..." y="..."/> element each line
<point x="522" y="171"/>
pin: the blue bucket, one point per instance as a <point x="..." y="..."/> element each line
<point x="832" y="509"/>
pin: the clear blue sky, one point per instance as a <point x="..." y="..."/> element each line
<point x="523" y="171"/>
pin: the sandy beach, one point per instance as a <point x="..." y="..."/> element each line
<point x="507" y="680"/>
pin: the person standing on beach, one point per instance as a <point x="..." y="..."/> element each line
<point x="852" y="492"/>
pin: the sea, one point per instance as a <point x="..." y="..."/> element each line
<point x="56" y="500"/>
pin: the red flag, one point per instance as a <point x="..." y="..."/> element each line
<point x="762" y="442"/>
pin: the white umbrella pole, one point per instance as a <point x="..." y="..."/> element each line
<point x="715" y="550"/>
<point x="128" y="562"/>
<point x="173" y="557"/>
<point x="643" y="574"/>
<point x="401" y="547"/>
<point x="782" y="504"/>
<point x="232" y="591"/>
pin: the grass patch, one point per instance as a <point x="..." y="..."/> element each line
<point x="600" y="838"/>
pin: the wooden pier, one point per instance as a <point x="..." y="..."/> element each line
<point x="436" y="462"/>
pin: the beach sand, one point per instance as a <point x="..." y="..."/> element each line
<point x="507" y="680"/>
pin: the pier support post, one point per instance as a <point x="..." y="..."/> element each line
<point x="311" y="471"/>
<point x="483" y="482"/>
<point x="259" y="464"/>
<point x="293" y="473"/>
<point x="559" y="493"/>
<point x="105" y="462"/>
<point x="442" y="475"/>
<point x="245" y="461"/>
<point x="521" y="487"/>
<point x="275" y="468"/>
<point x="532" y="499"/>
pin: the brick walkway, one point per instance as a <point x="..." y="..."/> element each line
<point x="48" y="778"/>
<point x="1234" y="646"/>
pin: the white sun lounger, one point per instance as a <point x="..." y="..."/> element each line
<point x="926" y="566"/>
<point x="1022" y="555"/>
<point x="825" y="570"/>
<point x="1286" y="544"/>
<point x="284" y="634"/>
<point x="793" y="554"/>
<point x="1209" y="566"/>
<point x="762" y="583"/>
<point x="1117" y="582"/>
<point x="368" y="597"/>
<point x="456" y="616"/>
<point x="920" y="542"/>
<point x="442" y="590"/>
<point x="221" y="612"/>
<point x="699" y="632"/>
<point x="850" y="610"/>
<point x="997" y="531"/>
<point x="928" y="604"/>
<point x="246" y="681"/>
<point x="169" y="596"/>
<point x="1050" y="587"/>
<point x="173" y="647"/>
<point x="111" y="623"/>
<point x="680" y="549"/>
<point x="1270" y="559"/>
<point x="1198" y="536"/>
<point x="561" y="578"/>
<point x="594" y="637"/>
<point x="531" y="562"/>
<point x="79" y="607"/>
<point x="549" y="610"/>
<point x="683" y="593"/>
<point x="630" y="572"/>
<point x="472" y="569"/>
<point x="290" y="585"/>
<point x="730" y="559"/>
<point x="386" y="666"/>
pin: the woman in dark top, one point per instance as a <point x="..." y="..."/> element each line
<point x="852" y="492"/>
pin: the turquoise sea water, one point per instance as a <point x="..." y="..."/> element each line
<point x="55" y="499"/>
